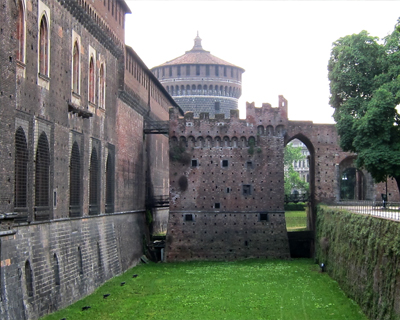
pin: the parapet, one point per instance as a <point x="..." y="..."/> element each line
<point x="267" y="114"/>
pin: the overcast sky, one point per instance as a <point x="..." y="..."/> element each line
<point x="284" y="46"/>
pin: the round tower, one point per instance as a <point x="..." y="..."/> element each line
<point x="201" y="82"/>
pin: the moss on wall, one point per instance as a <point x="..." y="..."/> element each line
<point x="362" y="253"/>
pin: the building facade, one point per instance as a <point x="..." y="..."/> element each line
<point x="78" y="168"/>
<point x="200" y="82"/>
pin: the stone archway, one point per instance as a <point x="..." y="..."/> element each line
<point x="353" y="183"/>
<point x="311" y="161"/>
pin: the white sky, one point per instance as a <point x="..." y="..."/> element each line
<point x="284" y="46"/>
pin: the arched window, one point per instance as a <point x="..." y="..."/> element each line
<point x="56" y="269"/>
<point x="21" y="169"/>
<point x="91" y="80"/>
<point x="80" y="261"/>
<point x="110" y="184"/>
<point x="42" y="172"/>
<point x="75" y="182"/>
<point x="102" y="87"/>
<point x="21" y="32"/>
<point x="93" y="183"/>
<point x="44" y="47"/>
<point x="99" y="263"/>
<point x="75" y="68"/>
<point x="28" y="279"/>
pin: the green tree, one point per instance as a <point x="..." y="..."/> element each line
<point x="292" y="177"/>
<point x="365" y="90"/>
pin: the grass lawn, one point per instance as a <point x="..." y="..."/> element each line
<point x="250" y="289"/>
<point x="296" y="220"/>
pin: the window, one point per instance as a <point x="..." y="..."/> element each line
<point x="197" y="70"/>
<point x="42" y="172"/>
<point x="224" y="163"/>
<point x="44" y="47"/>
<point x="217" y="71"/>
<point x="217" y="205"/>
<point x="188" y="217"/>
<point x="93" y="183"/>
<point x="188" y="70"/>
<point x="224" y="71"/>
<point x="75" y="182"/>
<point x="170" y="71"/>
<point x="75" y="68"/>
<point x="110" y="183"/>
<point x="263" y="216"/>
<point x="194" y="163"/>
<point x="21" y="169"/>
<point x="217" y="105"/>
<point x="246" y="190"/>
<point x="28" y="279"/>
<point x="91" y="80"/>
<point x="21" y="32"/>
<point x="207" y="70"/>
<point x="102" y="87"/>
<point x="56" y="270"/>
<point x="179" y="71"/>
<point x="228" y="190"/>
<point x="99" y="263"/>
<point x="249" y="164"/>
<point x="80" y="261"/>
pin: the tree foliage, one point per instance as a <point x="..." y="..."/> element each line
<point x="365" y="90"/>
<point x="292" y="177"/>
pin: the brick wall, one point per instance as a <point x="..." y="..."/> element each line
<point x="110" y="241"/>
<point x="227" y="186"/>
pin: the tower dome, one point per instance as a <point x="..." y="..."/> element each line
<point x="201" y="82"/>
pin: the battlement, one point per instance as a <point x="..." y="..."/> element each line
<point x="264" y="121"/>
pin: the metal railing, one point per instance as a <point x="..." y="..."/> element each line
<point x="381" y="209"/>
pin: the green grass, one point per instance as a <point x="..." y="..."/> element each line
<point x="296" y="220"/>
<point x="250" y="289"/>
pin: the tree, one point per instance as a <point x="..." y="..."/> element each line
<point x="365" y="90"/>
<point x="292" y="177"/>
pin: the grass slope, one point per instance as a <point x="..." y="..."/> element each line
<point x="250" y="289"/>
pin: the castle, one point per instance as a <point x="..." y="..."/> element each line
<point x="84" y="152"/>
<point x="85" y="157"/>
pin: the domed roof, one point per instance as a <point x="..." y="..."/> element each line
<point x="198" y="56"/>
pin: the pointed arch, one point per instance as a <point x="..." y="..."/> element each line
<point x="56" y="270"/>
<point x="75" y="182"/>
<point x="42" y="172"/>
<point x="21" y="169"/>
<point x="21" y="29"/>
<point x="91" y="80"/>
<point x="44" y="46"/>
<point x="76" y="69"/>
<point x="110" y="169"/>
<point x="28" y="279"/>
<point x="94" y="183"/>
<point x="102" y="86"/>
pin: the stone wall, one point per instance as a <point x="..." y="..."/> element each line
<point x="85" y="252"/>
<point x="362" y="253"/>
<point x="226" y="186"/>
<point x="55" y="253"/>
